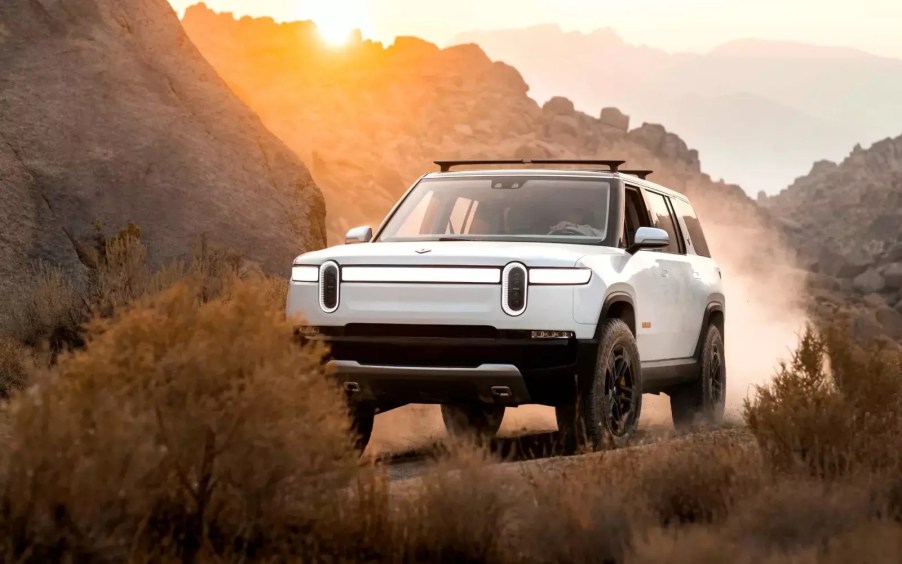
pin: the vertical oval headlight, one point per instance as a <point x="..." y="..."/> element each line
<point x="329" y="286"/>
<point x="514" y="289"/>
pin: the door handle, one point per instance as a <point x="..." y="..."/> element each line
<point x="696" y="275"/>
<point x="665" y="273"/>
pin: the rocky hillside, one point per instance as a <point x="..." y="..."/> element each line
<point x="108" y="112"/>
<point x="846" y="220"/>
<point x="369" y="119"/>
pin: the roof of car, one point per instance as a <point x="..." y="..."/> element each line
<point x="559" y="172"/>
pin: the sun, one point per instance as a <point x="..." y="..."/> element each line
<point x="334" y="33"/>
<point x="337" y="20"/>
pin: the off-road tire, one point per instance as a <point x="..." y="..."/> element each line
<point x="701" y="402"/>
<point x="362" y="418"/>
<point x="474" y="420"/>
<point x="608" y="402"/>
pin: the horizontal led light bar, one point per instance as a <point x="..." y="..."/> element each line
<point x="303" y="273"/>
<point x="559" y="276"/>
<point x="551" y="334"/>
<point x="418" y="274"/>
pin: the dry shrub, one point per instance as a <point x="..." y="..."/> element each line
<point x="834" y="409"/>
<point x="459" y="512"/>
<point x="49" y="310"/>
<point x="183" y="428"/>
<point x="575" y="517"/>
<point x="793" y="515"/>
<point x="696" y="482"/>
<point x="121" y="273"/>
<point x="874" y="542"/>
<point x="687" y="545"/>
<point x="15" y="363"/>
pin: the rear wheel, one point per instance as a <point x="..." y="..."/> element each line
<point x="605" y="412"/>
<point x="701" y="402"/>
<point x="478" y="420"/>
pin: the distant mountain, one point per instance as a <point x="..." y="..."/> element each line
<point x="846" y="220"/>
<point x="773" y="107"/>
<point x="369" y="119"/>
<point x="108" y="112"/>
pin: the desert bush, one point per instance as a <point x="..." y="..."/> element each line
<point x="458" y="513"/>
<point x="183" y="428"/>
<point x="15" y="364"/>
<point x="832" y="410"/>
<point x="695" y="482"/>
<point x="576" y="517"/>
<point x="688" y="545"/>
<point x="48" y="311"/>
<point x="800" y="514"/>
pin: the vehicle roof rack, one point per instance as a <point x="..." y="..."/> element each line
<point x="445" y="166"/>
<point x="643" y="174"/>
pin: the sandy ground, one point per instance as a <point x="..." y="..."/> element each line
<point x="417" y="426"/>
<point x="405" y="438"/>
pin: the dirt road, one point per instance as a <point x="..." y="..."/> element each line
<point x="407" y="440"/>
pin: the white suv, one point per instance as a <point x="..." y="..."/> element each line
<point x="486" y="289"/>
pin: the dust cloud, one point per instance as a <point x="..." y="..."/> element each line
<point x="765" y="296"/>
<point x="765" y="304"/>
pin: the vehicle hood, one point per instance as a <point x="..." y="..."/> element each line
<point x="447" y="253"/>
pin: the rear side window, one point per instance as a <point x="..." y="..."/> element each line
<point x="663" y="219"/>
<point x="693" y="226"/>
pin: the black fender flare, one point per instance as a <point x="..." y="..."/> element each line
<point x="715" y="306"/>
<point x="612" y="299"/>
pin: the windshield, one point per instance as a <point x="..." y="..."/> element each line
<point x="503" y="208"/>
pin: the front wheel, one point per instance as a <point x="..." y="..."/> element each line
<point x="478" y="420"/>
<point x="605" y="412"/>
<point x="702" y="401"/>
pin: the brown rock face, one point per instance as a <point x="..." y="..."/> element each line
<point x="109" y="113"/>
<point x="372" y="118"/>
<point x="847" y="217"/>
<point x="615" y="119"/>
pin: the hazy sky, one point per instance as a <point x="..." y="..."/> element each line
<point x="690" y="25"/>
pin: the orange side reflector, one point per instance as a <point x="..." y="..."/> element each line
<point x="646" y="324"/>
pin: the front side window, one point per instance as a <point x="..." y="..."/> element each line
<point x="663" y="219"/>
<point x="503" y="208"/>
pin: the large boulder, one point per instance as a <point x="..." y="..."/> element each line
<point x="108" y="113"/>
<point x="893" y="275"/>
<point x="558" y="106"/>
<point x="854" y="266"/>
<point x="615" y="119"/>
<point x="869" y="282"/>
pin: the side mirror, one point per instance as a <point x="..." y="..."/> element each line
<point x="649" y="238"/>
<point x="359" y="235"/>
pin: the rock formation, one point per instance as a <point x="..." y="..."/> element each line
<point x="370" y="119"/>
<point x="109" y="113"/>
<point x="846" y="221"/>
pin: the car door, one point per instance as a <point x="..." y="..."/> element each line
<point x="706" y="278"/>
<point x="674" y="297"/>
<point x="646" y="272"/>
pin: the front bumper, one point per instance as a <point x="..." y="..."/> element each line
<point x="397" y="364"/>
